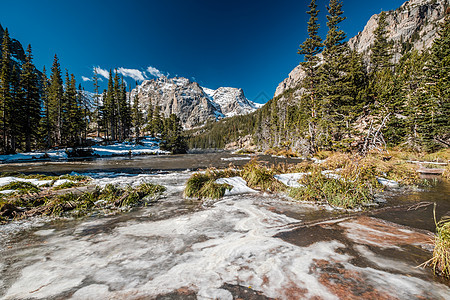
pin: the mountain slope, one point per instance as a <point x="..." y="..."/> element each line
<point x="413" y="25"/>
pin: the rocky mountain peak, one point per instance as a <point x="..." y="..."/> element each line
<point x="193" y="104"/>
<point x="232" y="101"/>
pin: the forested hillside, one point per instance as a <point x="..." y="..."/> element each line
<point x="349" y="100"/>
<point x="40" y="112"/>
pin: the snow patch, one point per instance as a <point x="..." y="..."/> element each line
<point x="239" y="186"/>
<point x="290" y="179"/>
<point x="387" y="182"/>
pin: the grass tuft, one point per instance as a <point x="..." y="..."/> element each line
<point x="336" y="192"/>
<point x="260" y="177"/>
<point x="446" y="173"/>
<point x="80" y="204"/>
<point x="67" y="185"/>
<point x="441" y="253"/>
<point x="440" y="262"/>
<point x="21" y="187"/>
<point x="203" y="186"/>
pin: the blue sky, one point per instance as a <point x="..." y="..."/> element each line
<point x="247" y="44"/>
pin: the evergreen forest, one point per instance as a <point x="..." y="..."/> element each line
<point x="349" y="101"/>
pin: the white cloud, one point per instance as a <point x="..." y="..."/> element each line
<point x="85" y="78"/>
<point x="154" y="71"/>
<point x="133" y="73"/>
<point x="102" y="72"/>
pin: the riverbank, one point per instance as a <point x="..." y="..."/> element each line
<point x="146" y="146"/>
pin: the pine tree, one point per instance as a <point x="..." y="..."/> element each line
<point x="67" y="103"/>
<point x="97" y="111"/>
<point x="55" y="99"/>
<point x="124" y="110"/>
<point x="436" y="123"/>
<point x="117" y="94"/>
<point x="172" y="137"/>
<point x="5" y="89"/>
<point x="45" y="125"/>
<point x="334" y="86"/>
<point x="412" y="79"/>
<point x="381" y="50"/>
<point x="310" y="48"/>
<point x="15" y="111"/>
<point x="29" y="95"/>
<point x="157" y="122"/>
<point x="138" y="118"/>
<point x="81" y="115"/>
<point x="110" y="109"/>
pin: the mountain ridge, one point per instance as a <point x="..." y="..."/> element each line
<point x="192" y="103"/>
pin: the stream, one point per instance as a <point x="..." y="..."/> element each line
<point x="249" y="246"/>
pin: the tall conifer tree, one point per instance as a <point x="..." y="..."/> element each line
<point x="29" y="95"/>
<point x="334" y="86"/>
<point x="5" y="89"/>
<point x="310" y="48"/>
<point x="436" y="123"/>
<point x="55" y="100"/>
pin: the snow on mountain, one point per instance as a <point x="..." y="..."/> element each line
<point x="232" y="101"/>
<point x="193" y="104"/>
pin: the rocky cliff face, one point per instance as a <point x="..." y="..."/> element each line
<point x="193" y="104"/>
<point x="413" y="25"/>
<point x="17" y="52"/>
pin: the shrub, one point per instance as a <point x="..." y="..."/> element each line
<point x="80" y="152"/>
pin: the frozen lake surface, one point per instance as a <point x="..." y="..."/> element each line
<point x="254" y="246"/>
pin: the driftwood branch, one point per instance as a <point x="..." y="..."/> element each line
<point x="375" y="140"/>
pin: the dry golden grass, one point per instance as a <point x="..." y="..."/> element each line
<point x="440" y="261"/>
<point x="446" y="173"/>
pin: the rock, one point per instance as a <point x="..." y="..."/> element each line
<point x="387" y="182"/>
<point x="245" y="142"/>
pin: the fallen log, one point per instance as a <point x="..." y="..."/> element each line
<point x="427" y="162"/>
<point x="430" y="171"/>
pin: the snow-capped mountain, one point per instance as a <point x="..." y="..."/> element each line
<point x="193" y="104"/>
<point x="232" y="101"/>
